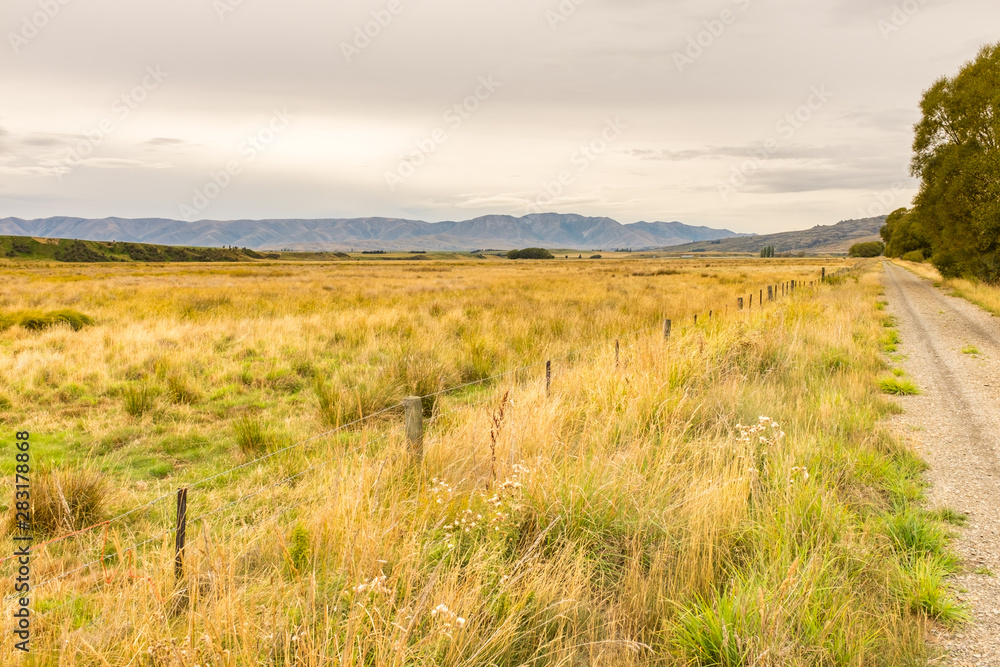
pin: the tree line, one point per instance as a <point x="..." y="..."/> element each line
<point x="955" y="218"/>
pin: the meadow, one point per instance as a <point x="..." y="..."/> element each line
<point x="729" y="496"/>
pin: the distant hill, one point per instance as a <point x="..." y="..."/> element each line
<point x="820" y="240"/>
<point x="71" y="250"/>
<point x="500" y="232"/>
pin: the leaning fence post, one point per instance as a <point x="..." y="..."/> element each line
<point x="666" y="329"/>
<point x="180" y="534"/>
<point x="414" y="409"/>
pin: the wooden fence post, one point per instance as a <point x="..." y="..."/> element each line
<point x="823" y="277"/>
<point x="762" y="298"/>
<point x="770" y="293"/>
<point x="667" y="324"/>
<point x="180" y="534"/>
<point x="548" y="377"/>
<point x="617" y="352"/>
<point x="696" y="320"/>
<point x="739" y="301"/>
<point x="414" y="408"/>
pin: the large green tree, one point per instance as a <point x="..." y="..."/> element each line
<point x="957" y="158"/>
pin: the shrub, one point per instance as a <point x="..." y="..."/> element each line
<point x="596" y="257"/>
<point x="871" y="249"/>
<point x="65" y="501"/>
<point x="530" y="253"/>
<point x="915" y="256"/>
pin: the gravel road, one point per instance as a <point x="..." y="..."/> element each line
<point x="955" y="423"/>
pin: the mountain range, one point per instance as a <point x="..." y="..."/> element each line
<point x="500" y="232"/>
<point x="820" y="240"/>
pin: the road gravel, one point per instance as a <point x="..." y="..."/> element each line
<point x="955" y="424"/>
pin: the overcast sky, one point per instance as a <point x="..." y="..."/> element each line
<point x="755" y="115"/>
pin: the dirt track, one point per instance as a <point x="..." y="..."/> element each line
<point x="956" y="424"/>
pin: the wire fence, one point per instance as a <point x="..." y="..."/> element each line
<point x="775" y="292"/>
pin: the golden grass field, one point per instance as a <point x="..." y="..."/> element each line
<point x="642" y="513"/>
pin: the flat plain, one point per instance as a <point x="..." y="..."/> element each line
<point x="728" y="496"/>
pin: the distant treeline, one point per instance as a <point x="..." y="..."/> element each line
<point x="955" y="219"/>
<point x="71" y="250"/>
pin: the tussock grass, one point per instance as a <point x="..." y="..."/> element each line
<point x="254" y="436"/>
<point x="642" y="513"/>
<point x="39" y="321"/>
<point x="137" y="400"/>
<point x="65" y="500"/>
<point x="898" y="386"/>
<point x="970" y="349"/>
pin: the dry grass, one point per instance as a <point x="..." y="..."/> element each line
<point x="640" y="514"/>
<point x="984" y="295"/>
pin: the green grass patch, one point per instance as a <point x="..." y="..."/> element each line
<point x="898" y="386"/>
<point x="890" y="340"/>
<point x="39" y="321"/>
<point x="970" y="349"/>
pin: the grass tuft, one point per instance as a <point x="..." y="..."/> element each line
<point x="137" y="400"/>
<point x="65" y="500"/>
<point x="898" y="386"/>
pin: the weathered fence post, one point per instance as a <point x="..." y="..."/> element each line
<point x="762" y="298"/>
<point x="414" y="409"/>
<point x="666" y="329"/>
<point x="739" y="301"/>
<point x="617" y="352"/>
<point x="709" y="314"/>
<point x="180" y="534"/>
<point x="823" y="277"/>
<point x="770" y="293"/>
<point x="696" y="320"/>
<point x="548" y="377"/>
